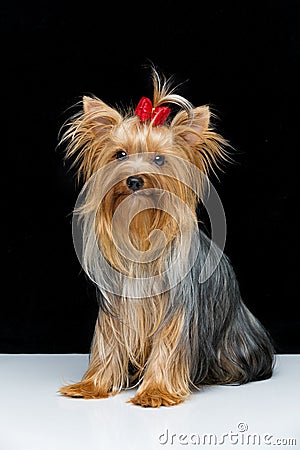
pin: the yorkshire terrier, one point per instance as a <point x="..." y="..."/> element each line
<point x="171" y="318"/>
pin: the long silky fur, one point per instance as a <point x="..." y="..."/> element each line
<point x="230" y="344"/>
<point x="176" y="322"/>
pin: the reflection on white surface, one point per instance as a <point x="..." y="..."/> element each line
<point x="33" y="416"/>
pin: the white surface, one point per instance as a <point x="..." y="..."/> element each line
<point x="34" y="417"/>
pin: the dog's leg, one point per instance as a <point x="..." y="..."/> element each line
<point x="166" y="378"/>
<point x="108" y="369"/>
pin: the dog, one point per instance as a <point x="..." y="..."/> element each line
<point x="171" y="318"/>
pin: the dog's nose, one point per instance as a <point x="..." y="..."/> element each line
<point x="135" y="183"/>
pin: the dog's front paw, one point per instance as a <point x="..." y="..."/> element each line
<point x="84" y="389"/>
<point x="154" y="398"/>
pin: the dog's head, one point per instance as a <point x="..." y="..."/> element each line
<point x="142" y="163"/>
<point x="101" y="135"/>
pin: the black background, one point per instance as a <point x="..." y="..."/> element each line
<point x="242" y="58"/>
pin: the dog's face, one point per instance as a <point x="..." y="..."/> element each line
<point x="140" y="161"/>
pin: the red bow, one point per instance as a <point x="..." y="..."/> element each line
<point x="145" y="111"/>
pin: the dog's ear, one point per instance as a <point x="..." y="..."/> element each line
<point x="207" y="145"/>
<point x="87" y="134"/>
<point x="100" y="116"/>
<point x="192" y="129"/>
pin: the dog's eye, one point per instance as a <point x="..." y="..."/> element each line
<point x="121" y="155"/>
<point x="159" y="160"/>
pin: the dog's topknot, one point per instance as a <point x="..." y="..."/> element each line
<point x="163" y="93"/>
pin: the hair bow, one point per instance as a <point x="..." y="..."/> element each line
<point x="145" y="111"/>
